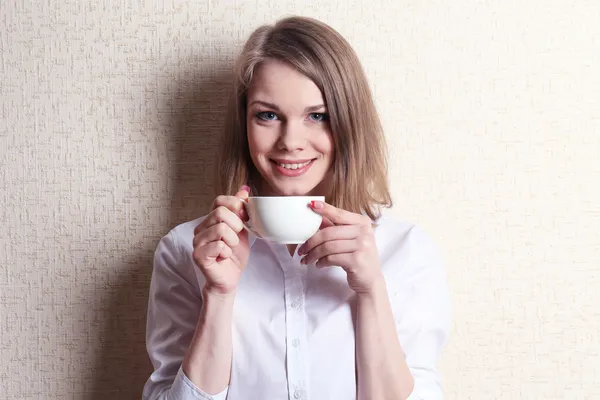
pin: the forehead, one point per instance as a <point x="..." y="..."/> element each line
<point x="277" y="82"/>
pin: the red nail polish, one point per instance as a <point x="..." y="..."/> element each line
<point x="317" y="205"/>
<point x="245" y="188"/>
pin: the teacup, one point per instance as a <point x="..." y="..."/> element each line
<point x="283" y="219"/>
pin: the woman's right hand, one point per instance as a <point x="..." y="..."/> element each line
<point x="221" y="247"/>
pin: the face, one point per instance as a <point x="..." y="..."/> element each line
<point x="288" y="132"/>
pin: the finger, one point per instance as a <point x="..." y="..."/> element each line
<point x="218" y="215"/>
<point x="337" y="215"/>
<point x="233" y="203"/>
<point x="325" y="223"/>
<point x="243" y="194"/>
<point x="220" y="231"/>
<point x="328" y="234"/>
<point x="334" y="260"/>
<point x="329" y="248"/>
<point x="208" y="254"/>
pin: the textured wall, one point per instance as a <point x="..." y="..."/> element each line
<point x="109" y="113"/>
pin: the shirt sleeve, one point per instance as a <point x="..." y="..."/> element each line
<point x="183" y="388"/>
<point x="421" y="305"/>
<point x="173" y="308"/>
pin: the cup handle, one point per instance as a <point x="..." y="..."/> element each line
<point x="244" y="223"/>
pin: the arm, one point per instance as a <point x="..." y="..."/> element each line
<point x="418" y="309"/>
<point x="221" y="251"/>
<point x="174" y="307"/>
<point x="347" y="240"/>
<point x="382" y="372"/>
<point x="420" y="302"/>
<point x="211" y="345"/>
<point x="398" y="336"/>
<point x="189" y="337"/>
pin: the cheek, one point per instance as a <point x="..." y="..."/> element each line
<point x="261" y="140"/>
<point x="255" y="139"/>
<point x="324" y="144"/>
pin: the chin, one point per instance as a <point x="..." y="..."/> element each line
<point x="289" y="190"/>
<point x="275" y="186"/>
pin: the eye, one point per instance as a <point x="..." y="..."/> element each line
<point x="267" y="116"/>
<point x="318" y="117"/>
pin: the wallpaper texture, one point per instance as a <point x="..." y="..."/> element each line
<point x="109" y="116"/>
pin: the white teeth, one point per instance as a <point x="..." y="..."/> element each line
<point x="294" y="166"/>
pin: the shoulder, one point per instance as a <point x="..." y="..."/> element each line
<point x="391" y="231"/>
<point x="405" y="247"/>
<point x="173" y="254"/>
<point x="183" y="234"/>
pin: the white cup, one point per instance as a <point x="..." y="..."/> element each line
<point x="285" y="219"/>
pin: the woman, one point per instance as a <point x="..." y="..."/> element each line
<point x="360" y="310"/>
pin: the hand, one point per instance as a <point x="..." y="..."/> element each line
<point x="347" y="240"/>
<point x="221" y="247"/>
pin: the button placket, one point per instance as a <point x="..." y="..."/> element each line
<point x="294" y="283"/>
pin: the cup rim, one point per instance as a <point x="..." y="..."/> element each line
<point x="286" y="197"/>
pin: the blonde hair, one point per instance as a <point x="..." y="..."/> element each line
<point x="359" y="171"/>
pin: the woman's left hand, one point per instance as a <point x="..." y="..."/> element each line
<point x="347" y="240"/>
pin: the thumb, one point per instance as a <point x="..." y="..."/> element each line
<point x="243" y="192"/>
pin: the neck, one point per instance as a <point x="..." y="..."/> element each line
<point x="292" y="249"/>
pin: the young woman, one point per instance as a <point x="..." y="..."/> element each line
<point x="359" y="311"/>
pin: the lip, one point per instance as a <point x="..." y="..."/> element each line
<point x="286" y="161"/>
<point x="292" y="172"/>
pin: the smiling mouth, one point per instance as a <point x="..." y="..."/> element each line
<point x="293" y="166"/>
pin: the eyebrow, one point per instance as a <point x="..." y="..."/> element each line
<point x="274" y="106"/>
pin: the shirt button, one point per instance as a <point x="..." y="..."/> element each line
<point x="297" y="394"/>
<point x="296" y="342"/>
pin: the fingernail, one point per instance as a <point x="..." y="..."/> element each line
<point x="245" y="188"/>
<point x="316" y="204"/>
<point x="303" y="261"/>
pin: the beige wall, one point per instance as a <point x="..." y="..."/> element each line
<point x="109" y="113"/>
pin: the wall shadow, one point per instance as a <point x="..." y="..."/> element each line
<point x="196" y="126"/>
<point x="192" y="120"/>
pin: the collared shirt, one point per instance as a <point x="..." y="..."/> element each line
<point x="293" y="331"/>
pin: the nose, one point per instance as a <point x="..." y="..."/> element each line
<point x="292" y="137"/>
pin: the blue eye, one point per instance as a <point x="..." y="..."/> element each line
<point x="267" y="116"/>
<point x="319" y="117"/>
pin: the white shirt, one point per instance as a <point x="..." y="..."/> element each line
<point x="293" y="335"/>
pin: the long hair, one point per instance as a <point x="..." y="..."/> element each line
<point x="359" y="169"/>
